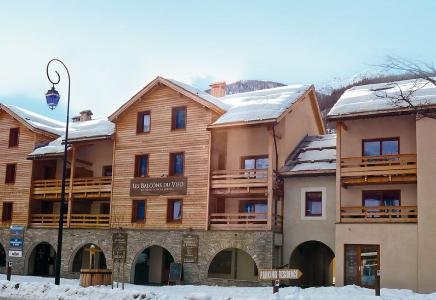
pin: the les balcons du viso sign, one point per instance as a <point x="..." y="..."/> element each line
<point x="158" y="186"/>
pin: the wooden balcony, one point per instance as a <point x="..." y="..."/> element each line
<point x="75" y="221"/>
<point x="228" y="182"/>
<point x="379" y="214"/>
<point x="399" y="168"/>
<point x="244" y="221"/>
<point x="83" y="188"/>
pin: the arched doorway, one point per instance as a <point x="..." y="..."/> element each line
<point x="233" y="263"/>
<point x="82" y="259"/>
<point x="2" y="256"/>
<point x="42" y="260"/>
<point x="316" y="261"/>
<point x="152" y="266"/>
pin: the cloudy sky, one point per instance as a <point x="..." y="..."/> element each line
<point x="113" y="48"/>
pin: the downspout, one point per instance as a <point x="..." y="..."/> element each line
<point x="275" y="146"/>
<point x="279" y="259"/>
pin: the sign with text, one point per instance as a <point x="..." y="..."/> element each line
<point x="190" y="248"/>
<point x="119" y="246"/>
<point x="277" y="274"/>
<point x="16" y="241"/>
<point x="158" y="186"/>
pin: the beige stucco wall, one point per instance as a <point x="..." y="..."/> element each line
<point x="357" y="130"/>
<point x="297" y="230"/>
<point x="99" y="153"/>
<point x="398" y="251"/>
<point x="426" y="155"/>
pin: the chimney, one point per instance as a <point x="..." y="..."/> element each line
<point x="85" y="115"/>
<point x="218" y="89"/>
<point x="75" y="119"/>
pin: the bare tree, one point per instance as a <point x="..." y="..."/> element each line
<point x="421" y="75"/>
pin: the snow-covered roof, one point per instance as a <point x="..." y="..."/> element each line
<point x="315" y="154"/>
<point x="379" y="97"/>
<point x="260" y="105"/>
<point x="84" y="130"/>
<point x="37" y="121"/>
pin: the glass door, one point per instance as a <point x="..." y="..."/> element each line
<point x="361" y="265"/>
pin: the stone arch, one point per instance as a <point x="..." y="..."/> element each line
<point x="316" y="261"/>
<point x="46" y="260"/>
<point x="76" y="251"/>
<point x="233" y="264"/>
<point x="157" y="250"/>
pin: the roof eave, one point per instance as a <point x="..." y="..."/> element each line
<point x="306" y="173"/>
<point x="242" y="123"/>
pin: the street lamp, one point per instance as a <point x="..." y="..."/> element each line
<point x="52" y="96"/>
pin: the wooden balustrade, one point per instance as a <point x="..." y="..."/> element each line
<point x="239" y="181"/>
<point x="379" y="214"/>
<point x="76" y="220"/>
<point x="244" y="221"/>
<point x="399" y="168"/>
<point x="84" y="188"/>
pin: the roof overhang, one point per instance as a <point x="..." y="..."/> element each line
<point x="381" y="113"/>
<point x="307" y="173"/>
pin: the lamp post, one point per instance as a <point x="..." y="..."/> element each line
<point x="52" y="96"/>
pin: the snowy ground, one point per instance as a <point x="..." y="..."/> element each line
<point x="38" y="288"/>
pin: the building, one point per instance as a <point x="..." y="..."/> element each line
<point x="385" y="211"/>
<point x="172" y="163"/>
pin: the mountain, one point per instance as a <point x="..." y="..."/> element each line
<point x="242" y="86"/>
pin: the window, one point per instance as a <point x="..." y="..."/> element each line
<point x="138" y="211"/>
<point x="143" y="122"/>
<point x="377" y="147"/>
<point x="174" y="210"/>
<point x="7" y="211"/>
<point x="14" y="133"/>
<point x="179" y="118"/>
<point x="255" y="162"/>
<point x="141" y="165"/>
<point x="313" y="203"/>
<point x="381" y="198"/>
<point x="107" y="171"/>
<point x="361" y="264"/>
<point x="10" y="173"/>
<point x="254" y="207"/>
<point x="177" y="164"/>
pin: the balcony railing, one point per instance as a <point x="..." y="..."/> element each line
<point x="379" y="214"/>
<point x="244" y="221"/>
<point x="76" y="220"/>
<point x="239" y="181"/>
<point x="85" y="188"/>
<point x="399" y="168"/>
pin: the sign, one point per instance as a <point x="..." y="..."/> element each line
<point x="175" y="274"/>
<point x="119" y="246"/>
<point x="16" y="241"/>
<point x="190" y="248"/>
<point x="158" y="186"/>
<point x="277" y="274"/>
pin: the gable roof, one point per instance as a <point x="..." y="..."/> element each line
<point x="313" y="156"/>
<point x="197" y="95"/>
<point x="377" y="98"/>
<point x="262" y="105"/>
<point x="35" y="122"/>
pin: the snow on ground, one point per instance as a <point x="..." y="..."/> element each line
<point x="38" y="288"/>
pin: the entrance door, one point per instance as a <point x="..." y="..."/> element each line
<point x="43" y="260"/>
<point x="361" y="264"/>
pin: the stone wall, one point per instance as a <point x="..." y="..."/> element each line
<point x="258" y="244"/>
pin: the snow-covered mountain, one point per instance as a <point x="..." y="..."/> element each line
<point x="242" y="86"/>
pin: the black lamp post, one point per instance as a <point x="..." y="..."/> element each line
<point x="52" y="96"/>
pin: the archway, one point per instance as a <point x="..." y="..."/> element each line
<point x="42" y="260"/>
<point x="316" y="261"/>
<point x="152" y="266"/>
<point x="233" y="263"/>
<point x="2" y="256"/>
<point x="82" y="258"/>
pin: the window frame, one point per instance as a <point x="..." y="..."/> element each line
<point x="381" y="194"/>
<point x="380" y="140"/>
<point x="16" y="138"/>
<point x="171" y="171"/>
<point x="8" y="179"/>
<point x="323" y="192"/>
<point x="174" y="111"/>
<point x="10" y="211"/>
<point x="170" y="210"/>
<point x="255" y="157"/>
<point x="135" y="211"/>
<point x="137" y="166"/>
<point x="140" y="122"/>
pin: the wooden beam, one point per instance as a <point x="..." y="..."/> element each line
<point x="70" y="193"/>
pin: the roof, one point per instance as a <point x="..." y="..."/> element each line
<point x="34" y="121"/>
<point x="378" y="98"/>
<point x="78" y="131"/>
<point x="314" y="155"/>
<point x="261" y="105"/>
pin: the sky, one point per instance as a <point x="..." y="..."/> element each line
<point x="114" y="48"/>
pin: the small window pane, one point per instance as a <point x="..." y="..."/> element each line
<point x="140" y="211"/>
<point x="371" y="148"/>
<point x="178" y="164"/>
<point x="390" y="147"/>
<point x="146" y="123"/>
<point x="313" y="204"/>
<point x="177" y="210"/>
<point x="262" y="163"/>
<point x="249" y="164"/>
<point x="180" y="118"/>
<point x="143" y="162"/>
